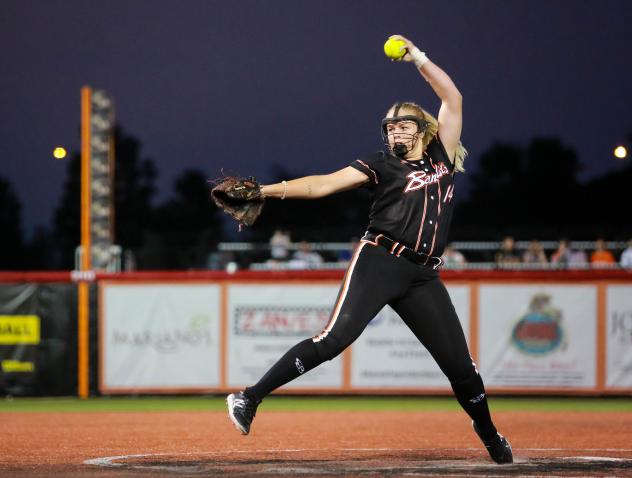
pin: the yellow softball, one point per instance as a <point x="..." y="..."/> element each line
<point x="393" y="49"/>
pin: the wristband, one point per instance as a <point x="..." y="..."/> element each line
<point x="284" y="189"/>
<point x="419" y="57"/>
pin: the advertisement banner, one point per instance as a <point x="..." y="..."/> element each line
<point x="265" y="321"/>
<point x="538" y="336"/>
<point x="388" y="355"/>
<point x="37" y="333"/>
<point x="19" y="334"/>
<point x="160" y="336"/>
<point x="619" y="336"/>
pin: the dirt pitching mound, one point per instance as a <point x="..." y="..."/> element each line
<point x="364" y="462"/>
<point x="156" y="444"/>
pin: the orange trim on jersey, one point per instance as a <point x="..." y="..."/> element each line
<point x="343" y="296"/>
<point x="434" y="235"/>
<point x="373" y="243"/>
<point x="367" y="166"/>
<point x="401" y="249"/>
<point x="394" y="246"/>
<point x="423" y="218"/>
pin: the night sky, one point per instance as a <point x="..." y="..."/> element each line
<point x="243" y="85"/>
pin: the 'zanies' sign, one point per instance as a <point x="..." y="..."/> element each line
<point x="282" y="321"/>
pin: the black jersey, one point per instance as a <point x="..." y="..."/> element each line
<point x="412" y="201"/>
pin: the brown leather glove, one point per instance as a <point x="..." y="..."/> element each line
<point x="241" y="198"/>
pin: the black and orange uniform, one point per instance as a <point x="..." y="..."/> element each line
<point x="412" y="199"/>
<point x="397" y="264"/>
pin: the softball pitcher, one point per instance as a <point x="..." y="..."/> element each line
<point x="398" y="258"/>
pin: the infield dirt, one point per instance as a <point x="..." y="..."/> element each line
<point x="434" y="443"/>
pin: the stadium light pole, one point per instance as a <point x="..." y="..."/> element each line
<point x="97" y="212"/>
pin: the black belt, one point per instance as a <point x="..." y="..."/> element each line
<point x="400" y="250"/>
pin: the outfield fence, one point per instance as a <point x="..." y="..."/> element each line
<point x="530" y="332"/>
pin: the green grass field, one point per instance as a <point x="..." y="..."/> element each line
<point x="215" y="403"/>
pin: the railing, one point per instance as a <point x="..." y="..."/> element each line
<point x="458" y="245"/>
<point x="470" y="266"/>
<point x="248" y="254"/>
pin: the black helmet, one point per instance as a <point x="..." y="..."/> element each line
<point x="401" y="149"/>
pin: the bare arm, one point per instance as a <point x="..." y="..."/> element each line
<point x="313" y="187"/>
<point x="451" y="111"/>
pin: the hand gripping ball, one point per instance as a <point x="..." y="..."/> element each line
<point x="393" y="49"/>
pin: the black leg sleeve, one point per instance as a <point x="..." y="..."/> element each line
<point x="428" y="311"/>
<point x="362" y="295"/>
<point x="470" y="393"/>
<point x="296" y="361"/>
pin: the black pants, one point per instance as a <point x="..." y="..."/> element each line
<point x="375" y="278"/>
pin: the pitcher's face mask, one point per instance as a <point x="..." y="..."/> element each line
<point x="401" y="133"/>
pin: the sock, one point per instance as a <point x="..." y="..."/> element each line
<point x="471" y="396"/>
<point x="299" y="359"/>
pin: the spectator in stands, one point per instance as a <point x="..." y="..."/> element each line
<point x="626" y="256"/>
<point x="453" y="258"/>
<point x="578" y="258"/>
<point x="507" y="255"/>
<point x="304" y="257"/>
<point x="534" y="254"/>
<point x="346" y="254"/>
<point x="601" y="256"/>
<point x="279" y="244"/>
<point x="218" y="260"/>
<point x="564" y="256"/>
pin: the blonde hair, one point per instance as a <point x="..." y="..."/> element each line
<point x="432" y="130"/>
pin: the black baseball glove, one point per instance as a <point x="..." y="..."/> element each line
<point x="241" y="198"/>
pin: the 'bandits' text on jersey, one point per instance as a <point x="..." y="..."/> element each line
<point x="412" y="201"/>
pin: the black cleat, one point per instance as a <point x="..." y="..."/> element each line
<point x="498" y="447"/>
<point x="241" y="410"/>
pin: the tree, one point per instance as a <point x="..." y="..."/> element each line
<point x="134" y="189"/>
<point x="526" y="192"/>
<point x="333" y="218"/>
<point x="605" y="205"/>
<point x="550" y="188"/>
<point x="186" y="228"/>
<point x="40" y="252"/>
<point x="494" y="188"/>
<point x="67" y="216"/>
<point x="11" y="238"/>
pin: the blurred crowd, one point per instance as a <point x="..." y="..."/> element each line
<point x="303" y="257"/>
<point x="283" y="253"/>
<point x="564" y="256"/>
